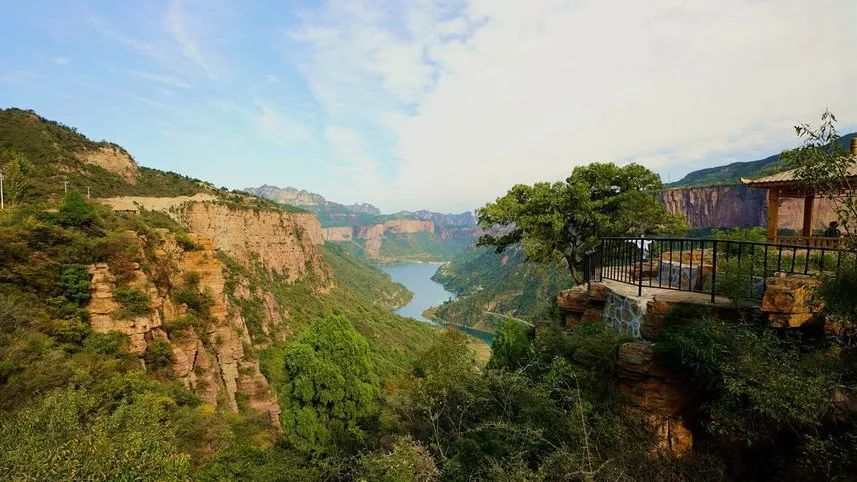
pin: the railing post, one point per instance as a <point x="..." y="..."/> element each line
<point x="601" y="262"/>
<point x="640" y="278"/>
<point x="713" y="269"/>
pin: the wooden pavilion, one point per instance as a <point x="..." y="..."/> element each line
<point x="787" y="184"/>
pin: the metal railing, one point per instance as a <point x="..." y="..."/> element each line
<point x="735" y="269"/>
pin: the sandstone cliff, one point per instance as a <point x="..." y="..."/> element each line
<point x="113" y="159"/>
<point x="375" y="233"/>
<point x="732" y="206"/>
<point x="282" y="242"/>
<point x="211" y="358"/>
<point x="343" y="233"/>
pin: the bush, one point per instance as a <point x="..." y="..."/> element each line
<point x="512" y="347"/>
<point x="75" y="210"/>
<point x="110" y="343"/>
<point x="133" y="301"/>
<point x="190" y="295"/>
<point x="13" y="314"/>
<point x="75" y="281"/>
<point x="158" y="355"/>
<point x="838" y="294"/>
<point x="186" y="243"/>
<point x="407" y="460"/>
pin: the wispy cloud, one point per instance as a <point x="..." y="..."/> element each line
<point x="177" y="26"/>
<point x="162" y="79"/>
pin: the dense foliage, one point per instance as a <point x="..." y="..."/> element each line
<point x="566" y="219"/>
<point x="331" y="385"/>
<point x="492" y="286"/>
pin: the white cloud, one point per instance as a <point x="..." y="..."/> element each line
<point x="484" y="94"/>
<point x="280" y="127"/>
<point x="177" y="26"/>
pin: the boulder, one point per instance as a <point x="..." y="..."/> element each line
<point x="789" y="294"/>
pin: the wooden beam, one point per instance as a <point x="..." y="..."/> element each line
<point x="808" y="211"/>
<point x="773" y="213"/>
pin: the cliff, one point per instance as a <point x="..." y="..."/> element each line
<point x="732" y="206"/>
<point x="208" y="354"/>
<point x="343" y="233"/>
<point x="282" y="242"/>
<point x="374" y="234"/>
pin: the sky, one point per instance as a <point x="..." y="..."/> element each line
<point x="442" y="105"/>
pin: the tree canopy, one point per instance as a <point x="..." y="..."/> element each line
<point x="567" y="218"/>
<point x="331" y="385"/>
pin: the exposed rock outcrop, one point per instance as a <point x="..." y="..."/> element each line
<point x="211" y="359"/>
<point x="341" y="233"/>
<point x="732" y="206"/>
<point x="374" y="233"/>
<point x="660" y="396"/>
<point x="113" y="159"/>
<point x="282" y="242"/>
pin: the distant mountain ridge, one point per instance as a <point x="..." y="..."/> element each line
<point x="733" y="172"/>
<point x="387" y="238"/>
<point x="303" y="198"/>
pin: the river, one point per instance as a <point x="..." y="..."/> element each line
<point x="427" y="293"/>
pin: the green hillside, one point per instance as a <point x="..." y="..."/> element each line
<point x="490" y="285"/>
<point x="732" y="173"/>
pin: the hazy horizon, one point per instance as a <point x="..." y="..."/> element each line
<point x="431" y="105"/>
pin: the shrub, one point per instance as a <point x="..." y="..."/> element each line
<point x="110" y="343"/>
<point x="838" y="294"/>
<point x="13" y="314"/>
<point x="512" y="347"/>
<point x="133" y="301"/>
<point x="75" y="210"/>
<point x="407" y="460"/>
<point x="190" y="295"/>
<point x="158" y="355"/>
<point x="75" y="281"/>
<point x="186" y="243"/>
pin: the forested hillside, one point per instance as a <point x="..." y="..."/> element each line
<point x="732" y="173"/>
<point x="491" y="287"/>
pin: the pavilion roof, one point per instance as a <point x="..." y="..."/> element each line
<point x="785" y="178"/>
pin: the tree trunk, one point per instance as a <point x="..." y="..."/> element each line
<point x="572" y="262"/>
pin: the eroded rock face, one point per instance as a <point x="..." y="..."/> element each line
<point x="282" y="242"/>
<point x="788" y="300"/>
<point x="343" y="233"/>
<point x="662" y="397"/>
<point x="374" y="233"/>
<point x="735" y="206"/>
<point x="215" y="363"/>
<point x="113" y="159"/>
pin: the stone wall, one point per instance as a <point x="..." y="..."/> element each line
<point x="625" y="314"/>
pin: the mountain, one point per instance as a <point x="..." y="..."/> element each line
<point x="302" y="197"/>
<point x="732" y="173"/>
<point x="362" y="230"/>
<point x="151" y="321"/>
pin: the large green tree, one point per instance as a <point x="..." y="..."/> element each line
<point x="567" y="218"/>
<point x="331" y="385"/>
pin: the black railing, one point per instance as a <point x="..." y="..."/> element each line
<point x="735" y="269"/>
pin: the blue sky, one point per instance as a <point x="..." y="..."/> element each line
<point x="441" y="104"/>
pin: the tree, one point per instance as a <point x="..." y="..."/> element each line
<point x="568" y="218"/>
<point x="15" y="182"/>
<point x="331" y="385"/>
<point x="75" y="210"/>
<point x="825" y="166"/>
<point x="75" y="281"/>
<point x="512" y="347"/>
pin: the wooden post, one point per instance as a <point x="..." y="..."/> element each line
<point x="773" y="213"/>
<point x="808" y="211"/>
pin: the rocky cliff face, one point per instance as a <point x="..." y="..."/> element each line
<point x="343" y="233"/>
<point x="282" y="242"/>
<point x="736" y="206"/>
<point x="113" y="159"/>
<point x="373" y="234"/>
<point x="211" y="359"/>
